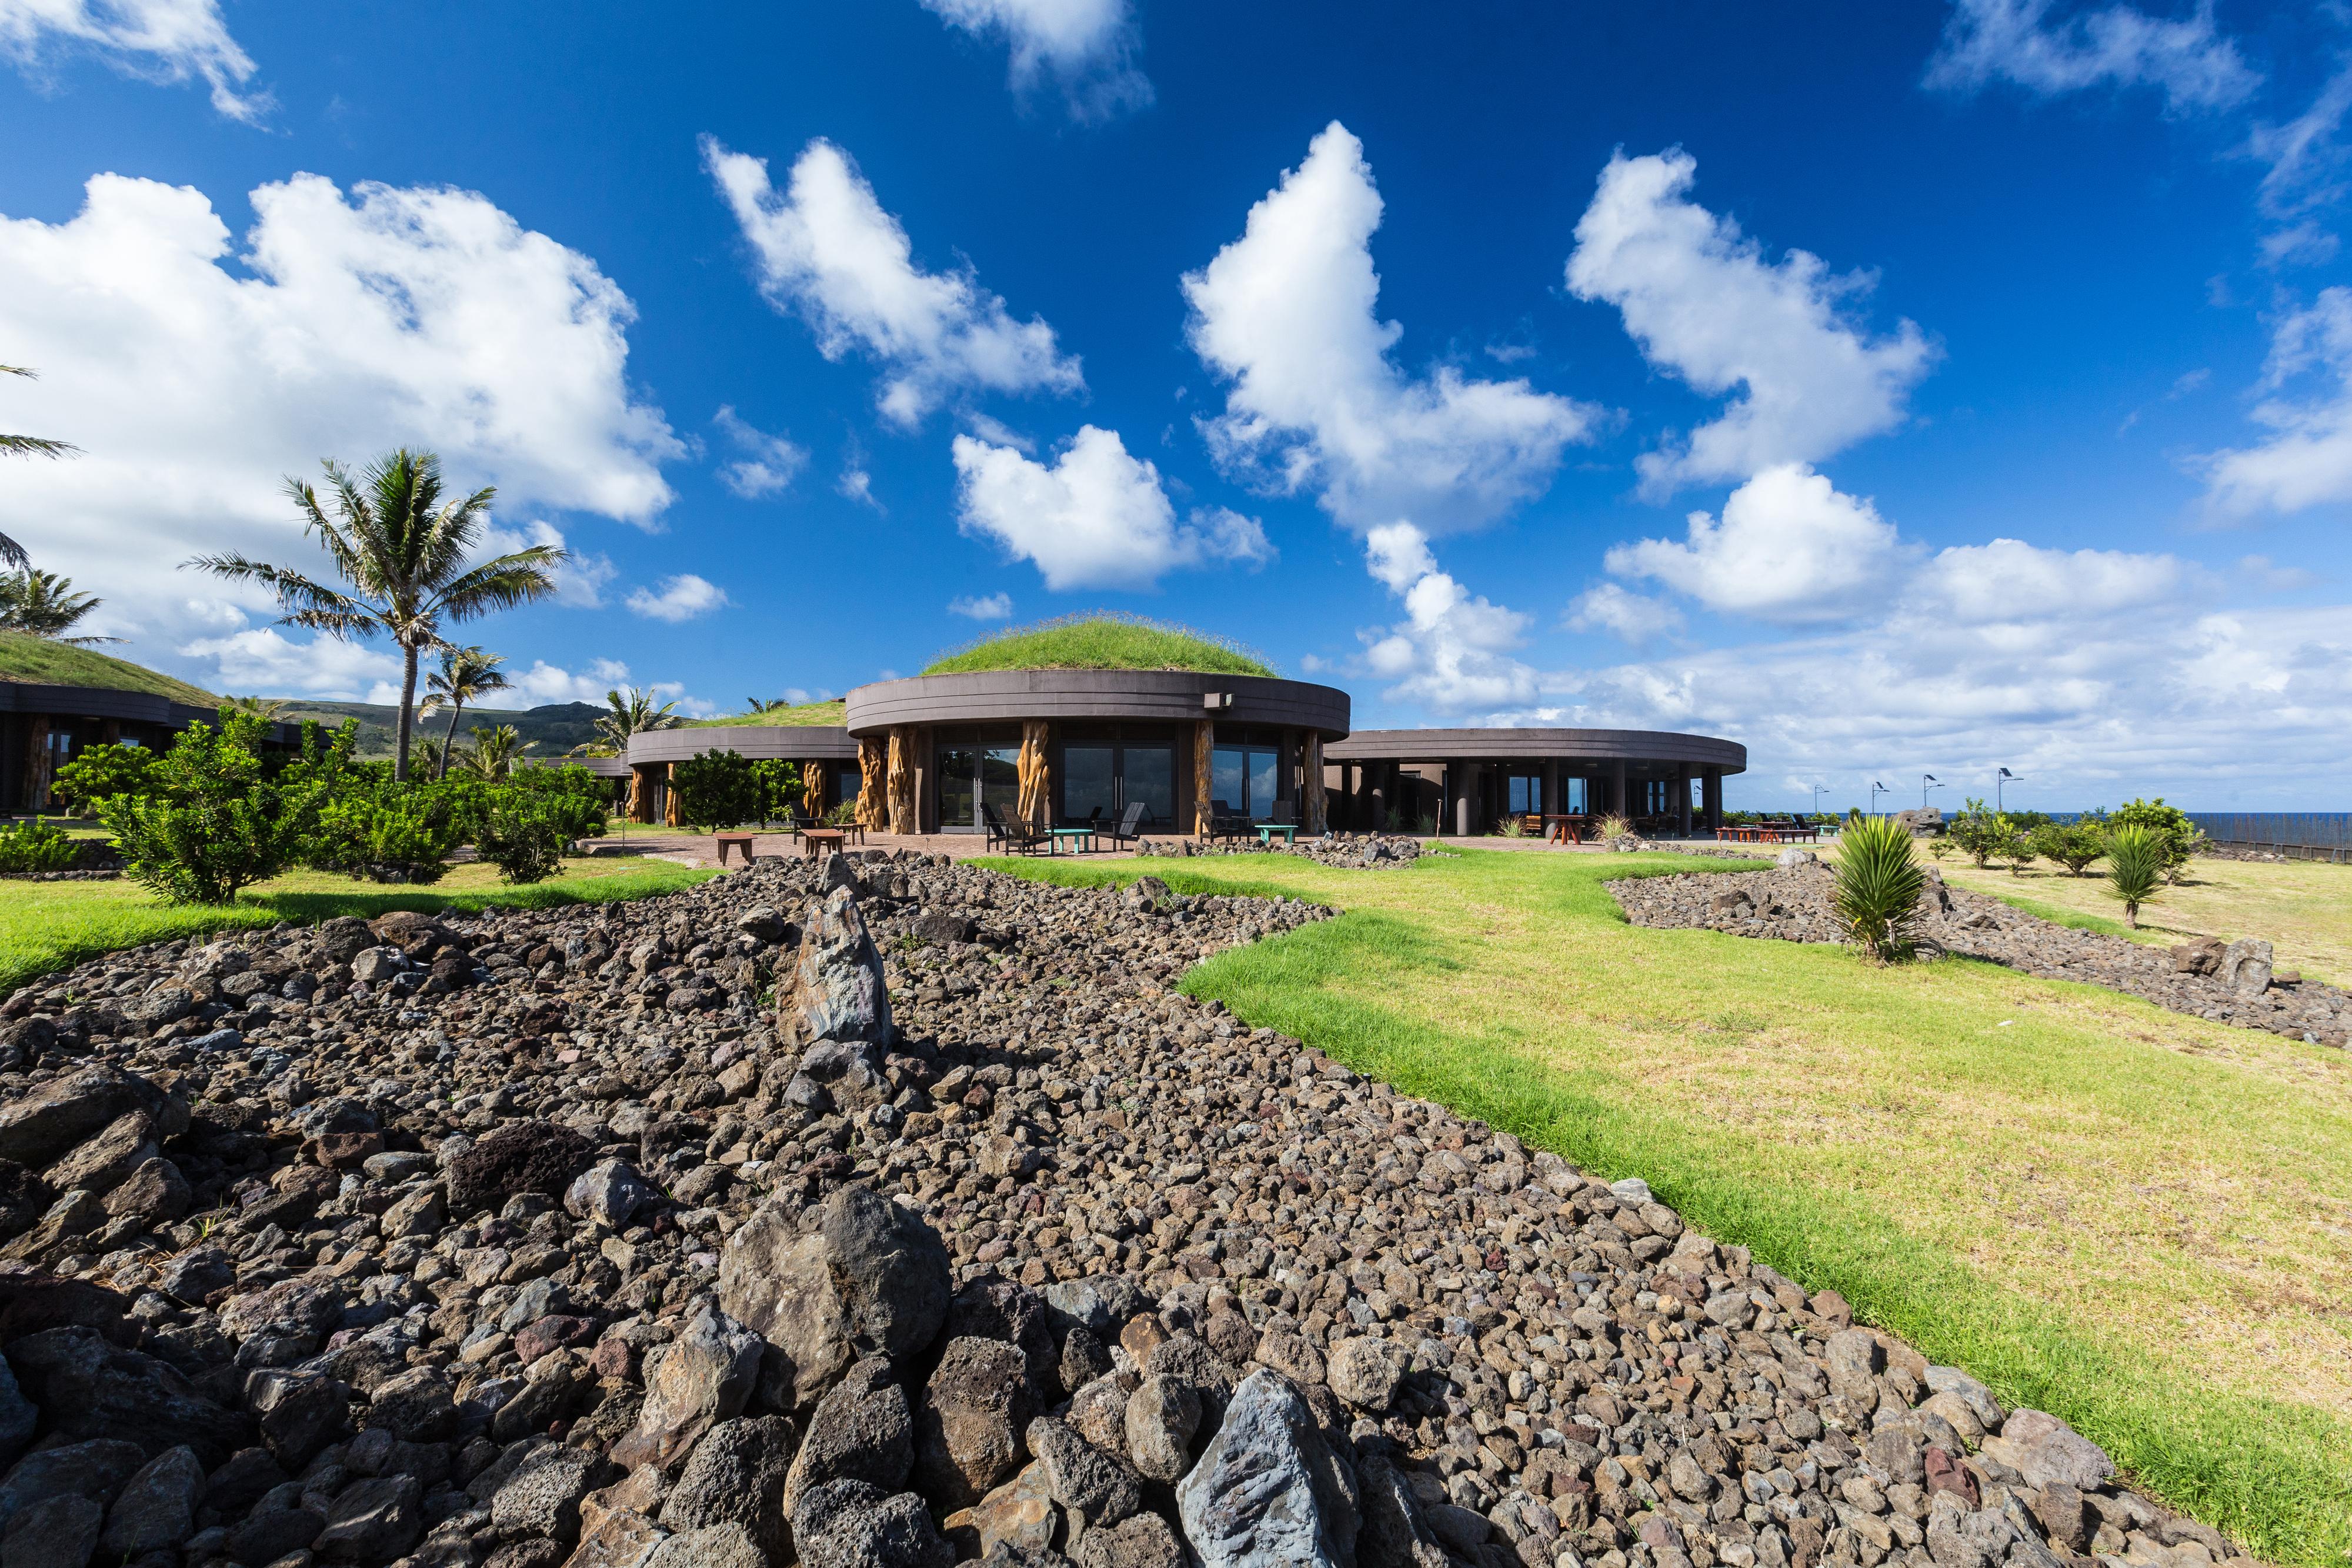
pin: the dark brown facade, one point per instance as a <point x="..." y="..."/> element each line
<point x="1467" y="780"/>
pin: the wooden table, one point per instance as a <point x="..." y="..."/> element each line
<point x="734" y="841"/>
<point x="1267" y="830"/>
<point x="1073" y="835"/>
<point x="815" y="841"/>
<point x="1567" y="829"/>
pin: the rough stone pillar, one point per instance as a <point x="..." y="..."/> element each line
<point x="1205" y="743"/>
<point x="813" y="801"/>
<point x="1317" y="806"/>
<point x="1619" y="800"/>
<point x="901" y="781"/>
<point x="873" y="782"/>
<point x="670" y="794"/>
<point x="36" y="763"/>
<point x="1036" y="804"/>
<point x="1682" y="796"/>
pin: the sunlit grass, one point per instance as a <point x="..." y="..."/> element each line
<point x="2138" y="1220"/>
<point x="49" y="926"/>
<point x="1102" y="639"/>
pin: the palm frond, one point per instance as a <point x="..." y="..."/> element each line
<point x="501" y="582"/>
<point x="35" y="446"/>
<point x="12" y="553"/>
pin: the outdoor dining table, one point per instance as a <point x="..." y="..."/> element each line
<point x="1075" y="835"/>
<point x="1566" y="829"/>
<point x="815" y="841"/>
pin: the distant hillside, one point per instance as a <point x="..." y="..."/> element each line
<point x="38" y="661"/>
<point x="550" y="731"/>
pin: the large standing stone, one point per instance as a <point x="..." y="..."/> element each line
<point x="157" y="1507"/>
<point x="837" y="991"/>
<point x="853" y="1524"/>
<point x="736" y="1476"/>
<point x="867" y="1278"/>
<point x="89" y="1388"/>
<point x="703" y="1378"/>
<point x="1268" y="1491"/>
<point x="861" y="1430"/>
<point x="968" y="1433"/>
<point x="2246" y="968"/>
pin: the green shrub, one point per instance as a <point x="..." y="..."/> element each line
<point x="404" y="835"/>
<point x="524" y="836"/>
<point x="1979" y="834"/>
<point x="35" y="847"/>
<point x="2073" y="845"/>
<point x="2177" y="836"/>
<point x="716" y="789"/>
<point x="209" y="824"/>
<point x="779" y="787"/>
<point x="2136" y="858"/>
<point x="99" y="773"/>
<point x="1878" y="884"/>
<point x="578" y="800"/>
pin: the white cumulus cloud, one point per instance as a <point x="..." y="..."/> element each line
<point x="158" y="40"/>
<point x="2019" y="41"/>
<point x="1287" y="315"/>
<point x="263" y="661"/>
<point x="2308" y="459"/>
<point x="579" y="583"/>
<point x="1703" y="303"/>
<point x="1453" y="649"/>
<point x="424" y="317"/>
<point x="770" y="462"/>
<point x="681" y="598"/>
<point x="1087" y="47"/>
<point x="1095" y="518"/>
<point x="983" y="606"/>
<point x="1790" y="547"/>
<point x="826" y="251"/>
<point x="1635" y="619"/>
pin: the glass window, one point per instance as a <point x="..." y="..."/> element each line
<point x="999" y="780"/>
<point x="848" y="778"/>
<point x="959" y="808"/>
<point x="1526" y="794"/>
<point x="1090" y="782"/>
<point x="1264" y="790"/>
<point x="1148" y="777"/>
<point x="1229" y="779"/>
<point x="1246" y="778"/>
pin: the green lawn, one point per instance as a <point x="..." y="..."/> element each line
<point x="1102" y="639"/>
<point x="49" y="926"/>
<point x="2139" y="1221"/>
<point x="46" y="662"/>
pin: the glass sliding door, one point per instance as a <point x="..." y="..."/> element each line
<point x="1247" y="779"/>
<point x="1112" y="778"/>
<point x="1147" y="776"/>
<point x="1000" y="781"/>
<point x="959" y="788"/>
<point x="1089" y="783"/>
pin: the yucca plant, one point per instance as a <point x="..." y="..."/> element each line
<point x="1879" y="885"/>
<point x="2137" y="858"/>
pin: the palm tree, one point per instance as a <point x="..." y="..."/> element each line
<point x="495" y="751"/>
<point x="628" y="716"/>
<point x="11" y="552"/>
<point x="44" y="604"/>
<point x="466" y="675"/>
<point x="402" y="549"/>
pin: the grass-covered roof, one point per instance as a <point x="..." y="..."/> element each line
<point x="1102" y="639"/>
<point x="836" y="713"/>
<point x="38" y="661"/>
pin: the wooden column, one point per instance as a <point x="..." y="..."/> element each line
<point x="37" y="764"/>
<point x="1204" y="744"/>
<point x="670" y="794"/>
<point x="1036" y="803"/>
<point x="902" y="778"/>
<point x="638" y="810"/>
<point x="813" y="801"/>
<point x="873" y="782"/>
<point x="1318" y="805"/>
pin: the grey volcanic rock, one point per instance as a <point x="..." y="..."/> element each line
<point x="1072" y="1207"/>
<point x="1269" y="1490"/>
<point x="156" y="1509"/>
<point x="839" y="991"/>
<point x="2238" y="987"/>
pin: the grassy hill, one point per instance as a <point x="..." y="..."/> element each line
<point x="1102" y="639"/>
<point x="38" y="661"/>
<point x="550" y="731"/>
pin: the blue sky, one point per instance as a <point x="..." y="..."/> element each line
<point x="1898" y="389"/>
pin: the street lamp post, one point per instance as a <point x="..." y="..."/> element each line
<point x="1819" y="791"/>
<point x="1927" y="782"/>
<point x="1876" y="790"/>
<point x="2002" y="777"/>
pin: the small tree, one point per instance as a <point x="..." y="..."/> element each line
<point x="2073" y="845"/>
<point x="2135" y="864"/>
<point x="36" y="846"/>
<point x="466" y="675"/>
<point x="716" y="789"/>
<point x="780" y="786"/>
<point x="44" y="604"/>
<point x="1878" y="883"/>
<point x="1979" y="834"/>
<point x="209" y="825"/>
<point x="524" y="836"/>
<point x="99" y="773"/>
<point x="2018" y="848"/>
<point x="2177" y="836"/>
<point x="492" y="758"/>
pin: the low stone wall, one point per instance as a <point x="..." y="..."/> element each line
<point x="2230" y="983"/>
<point x="1353" y="851"/>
